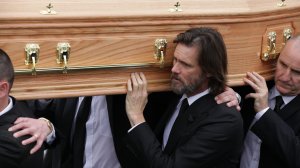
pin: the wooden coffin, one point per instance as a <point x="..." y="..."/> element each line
<point x="110" y="38"/>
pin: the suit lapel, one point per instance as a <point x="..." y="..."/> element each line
<point x="195" y="114"/>
<point x="68" y="113"/>
<point x="288" y="110"/>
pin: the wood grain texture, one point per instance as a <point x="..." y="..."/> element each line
<point x="113" y="32"/>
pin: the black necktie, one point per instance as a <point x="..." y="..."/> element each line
<point x="79" y="135"/>
<point x="184" y="106"/>
<point x="174" y="133"/>
<point x="278" y="103"/>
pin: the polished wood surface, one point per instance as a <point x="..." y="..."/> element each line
<point x="118" y="36"/>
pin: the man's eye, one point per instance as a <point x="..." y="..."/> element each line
<point x="296" y="72"/>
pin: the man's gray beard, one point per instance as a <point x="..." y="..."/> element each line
<point x="185" y="89"/>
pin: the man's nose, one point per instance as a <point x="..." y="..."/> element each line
<point x="175" y="68"/>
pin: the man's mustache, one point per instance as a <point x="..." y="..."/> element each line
<point x="175" y="76"/>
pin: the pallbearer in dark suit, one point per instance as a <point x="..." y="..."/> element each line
<point x="273" y="137"/>
<point x="13" y="154"/>
<point x="204" y="134"/>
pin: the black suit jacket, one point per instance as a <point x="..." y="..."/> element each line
<point x="12" y="153"/>
<point x="61" y="113"/>
<point x="156" y="107"/>
<point x="211" y="137"/>
<point x="279" y="134"/>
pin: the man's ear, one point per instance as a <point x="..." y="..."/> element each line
<point x="4" y="88"/>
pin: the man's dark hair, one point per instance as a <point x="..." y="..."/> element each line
<point x="212" y="57"/>
<point x="6" y="68"/>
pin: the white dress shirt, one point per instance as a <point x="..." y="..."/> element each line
<point x="251" y="152"/>
<point x="99" y="147"/>
<point x="8" y="107"/>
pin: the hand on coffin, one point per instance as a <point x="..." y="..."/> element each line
<point x="38" y="129"/>
<point x="136" y="98"/>
<point x="260" y="87"/>
<point x="231" y="97"/>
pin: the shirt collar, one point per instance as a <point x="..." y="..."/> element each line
<point x="192" y="99"/>
<point x="8" y="107"/>
<point x="274" y="92"/>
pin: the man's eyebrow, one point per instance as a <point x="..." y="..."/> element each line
<point x="282" y="62"/>
<point x="292" y="68"/>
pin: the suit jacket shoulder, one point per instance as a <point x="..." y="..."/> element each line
<point x="280" y="134"/>
<point x="12" y="152"/>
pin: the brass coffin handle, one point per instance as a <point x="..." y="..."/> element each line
<point x="32" y="56"/>
<point x="271" y="48"/>
<point x="160" y="49"/>
<point x="287" y="34"/>
<point x="63" y="55"/>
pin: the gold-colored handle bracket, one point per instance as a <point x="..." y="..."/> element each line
<point x="32" y="55"/>
<point x="274" y="39"/>
<point x="160" y="49"/>
<point x="271" y="48"/>
<point x="33" y="66"/>
<point x="65" y="68"/>
<point x="287" y="34"/>
<point x="162" y="59"/>
<point x="63" y="55"/>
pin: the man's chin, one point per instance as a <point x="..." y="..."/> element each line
<point x="176" y="89"/>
